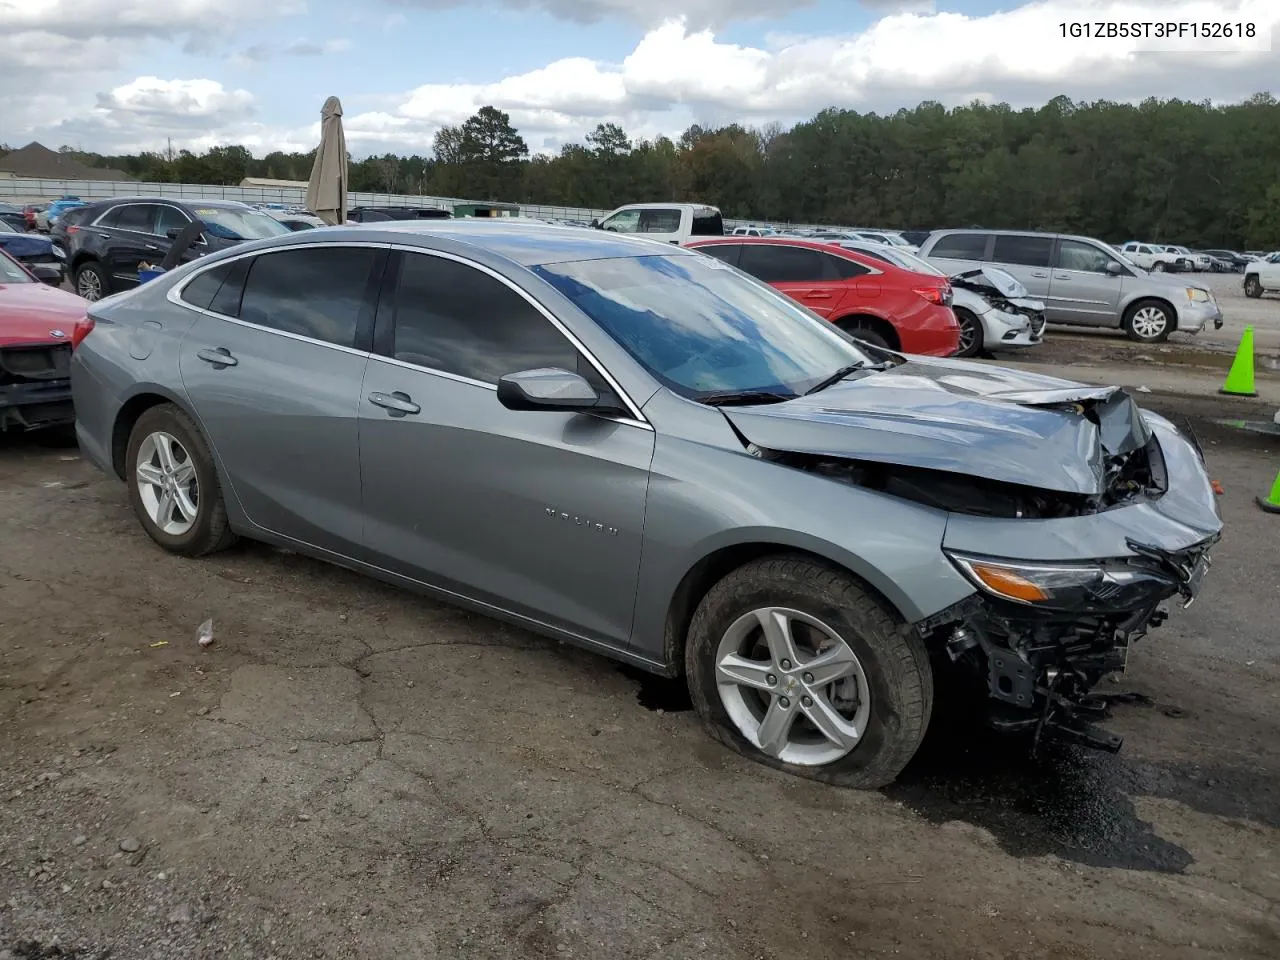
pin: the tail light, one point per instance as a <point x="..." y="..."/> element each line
<point x="81" y="330"/>
<point x="71" y="228"/>
<point x="934" y="294"/>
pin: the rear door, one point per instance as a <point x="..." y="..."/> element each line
<point x="274" y="367"/>
<point x="1027" y="257"/>
<point x="124" y="235"/>
<point x="1080" y="288"/>
<point x="537" y="512"/>
<point x="806" y="275"/>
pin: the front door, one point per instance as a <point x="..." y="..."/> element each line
<point x="275" y="381"/>
<point x="1080" y="289"/>
<point x="537" y="512"/>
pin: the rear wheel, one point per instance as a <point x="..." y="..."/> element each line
<point x="173" y="485"/>
<point x="91" y="281"/>
<point x="864" y="331"/>
<point x="1149" y="321"/>
<point x="970" y="333"/>
<point x="1252" y="286"/>
<point x="799" y="666"/>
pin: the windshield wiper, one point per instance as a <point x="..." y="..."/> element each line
<point x="744" y="397"/>
<point x="837" y="376"/>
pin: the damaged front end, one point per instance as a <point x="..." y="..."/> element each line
<point x="35" y="386"/>
<point x="1069" y="571"/>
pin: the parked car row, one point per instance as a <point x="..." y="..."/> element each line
<point x="645" y="449"/>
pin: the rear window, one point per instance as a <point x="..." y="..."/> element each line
<point x="1026" y="251"/>
<point x="728" y="252"/>
<point x="960" y="246"/>
<point x="777" y="263"/>
<point x="219" y="288"/>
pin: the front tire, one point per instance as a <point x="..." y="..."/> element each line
<point x="173" y="485"/>
<point x="1252" y="286"/>
<point x="798" y="665"/>
<point x="1158" y="267"/>
<point x="1149" y="321"/>
<point x="970" y="334"/>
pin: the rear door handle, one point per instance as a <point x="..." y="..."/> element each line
<point x="152" y="246"/>
<point x="817" y="295"/>
<point x="1038" y="274"/>
<point x="397" y="404"/>
<point x="220" y="357"/>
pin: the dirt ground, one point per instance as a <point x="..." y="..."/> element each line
<point x="350" y="771"/>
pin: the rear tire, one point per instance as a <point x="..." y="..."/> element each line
<point x="195" y="522"/>
<point x="91" y="281"/>
<point x="860" y="330"/>
<point x="971" y="339"/>
<point x="888" y="689"/>
<point x="1252" y="286"/>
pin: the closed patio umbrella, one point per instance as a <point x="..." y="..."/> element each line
<point x="327" y="188"/>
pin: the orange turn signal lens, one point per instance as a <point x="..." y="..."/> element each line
<point x="1007" y="583"/>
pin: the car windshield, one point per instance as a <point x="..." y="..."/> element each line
<point x="232" y="224"/>
<point x="701" y="327"/>
<point x="10" y="272"/>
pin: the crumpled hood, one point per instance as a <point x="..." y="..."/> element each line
<point x="961" y="417"/>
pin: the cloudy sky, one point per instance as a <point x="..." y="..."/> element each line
<point x="125" y="75"/>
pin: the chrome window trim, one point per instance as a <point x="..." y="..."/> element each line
<point x="551" y="318"/>
<point x="174" y="296"/>
<point x="120" y="206"/>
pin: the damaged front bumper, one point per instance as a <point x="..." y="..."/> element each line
<point x="1004" y="329"/>
<point x="1060" y="606"/>
<point x="35" y="387"/>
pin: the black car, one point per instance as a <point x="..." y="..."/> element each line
<point x="111" y="238"/>
<point x="1232" y="260"/>
<point x="381" y="214"/>
<point x="14" y="216"/>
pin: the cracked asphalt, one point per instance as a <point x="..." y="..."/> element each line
<point x="351" y="771"/>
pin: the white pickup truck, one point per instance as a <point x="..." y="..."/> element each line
<point x="1262" y="275"/>
<point x="1153" y="256"/>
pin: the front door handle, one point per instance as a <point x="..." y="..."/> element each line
<point x="1037" y="274"/>
<point x="397" y="404"/>
<point x="219" y="357"/>
<point x="151" y="246"/>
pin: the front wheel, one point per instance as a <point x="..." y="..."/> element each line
<point x="797" y="665"/>
<point x="1158" y="267"/>
<point x="1252" y="286"/>
<point x="1149" y="321"/>
<point x="173" y="485"/>
<point x="970" y="334"/>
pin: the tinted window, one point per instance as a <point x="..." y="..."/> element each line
<point x="707" y="225"/>
<point x="843" y="267"/>
<point x="659" y="221"/>
<point x="1025" y="251"/>
<point x="1074" y="255"/>
<point x="455" y="318"/>
<point x="728" y="252"/>
<point x="169" y="218"/>
<point x="227" y="299"/>
<point x="777" y="263"/>
<point x="316" y="292"/>
<point x="133" y="216"/>
<point x="960" y="246"/>
<point x="201" y="290"/>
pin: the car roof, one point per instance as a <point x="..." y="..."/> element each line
<point x="809" y="244"/>
<point x="177" y="201"/>
<point x="527" y="244"/>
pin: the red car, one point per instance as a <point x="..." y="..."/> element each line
<point x="39" y="327"/>
<point x="874" y="301"/>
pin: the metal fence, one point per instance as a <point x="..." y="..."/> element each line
<point x="22" y="190"/>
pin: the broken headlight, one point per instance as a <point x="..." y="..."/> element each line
<point x="1075" y="587"/>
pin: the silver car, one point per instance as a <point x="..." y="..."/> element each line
<point x="643" y="451"/>
<point x="1082" y="281"/>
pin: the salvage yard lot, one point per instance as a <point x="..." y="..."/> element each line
<point x="353" y="771"/>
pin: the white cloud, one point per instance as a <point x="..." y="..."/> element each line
<point x="699" y="13"/>
<point x="676" y="75"/>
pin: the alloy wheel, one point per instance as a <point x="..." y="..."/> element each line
<point x="1149" y="322"/>
<point x="167" y="483"/>
<point x="968" y="334"/>
<point x="792" y="686"/>
<point x="88" y="285"/>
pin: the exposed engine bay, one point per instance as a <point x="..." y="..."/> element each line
<point x="1002" y="291"/>
<point x="1036" y="636"/>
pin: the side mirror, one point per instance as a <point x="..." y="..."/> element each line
<point x="1114" y="269"/>
<point x="550" y="388"/>
<point x="595" y="225"/>
<point x="47" y="273"/>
